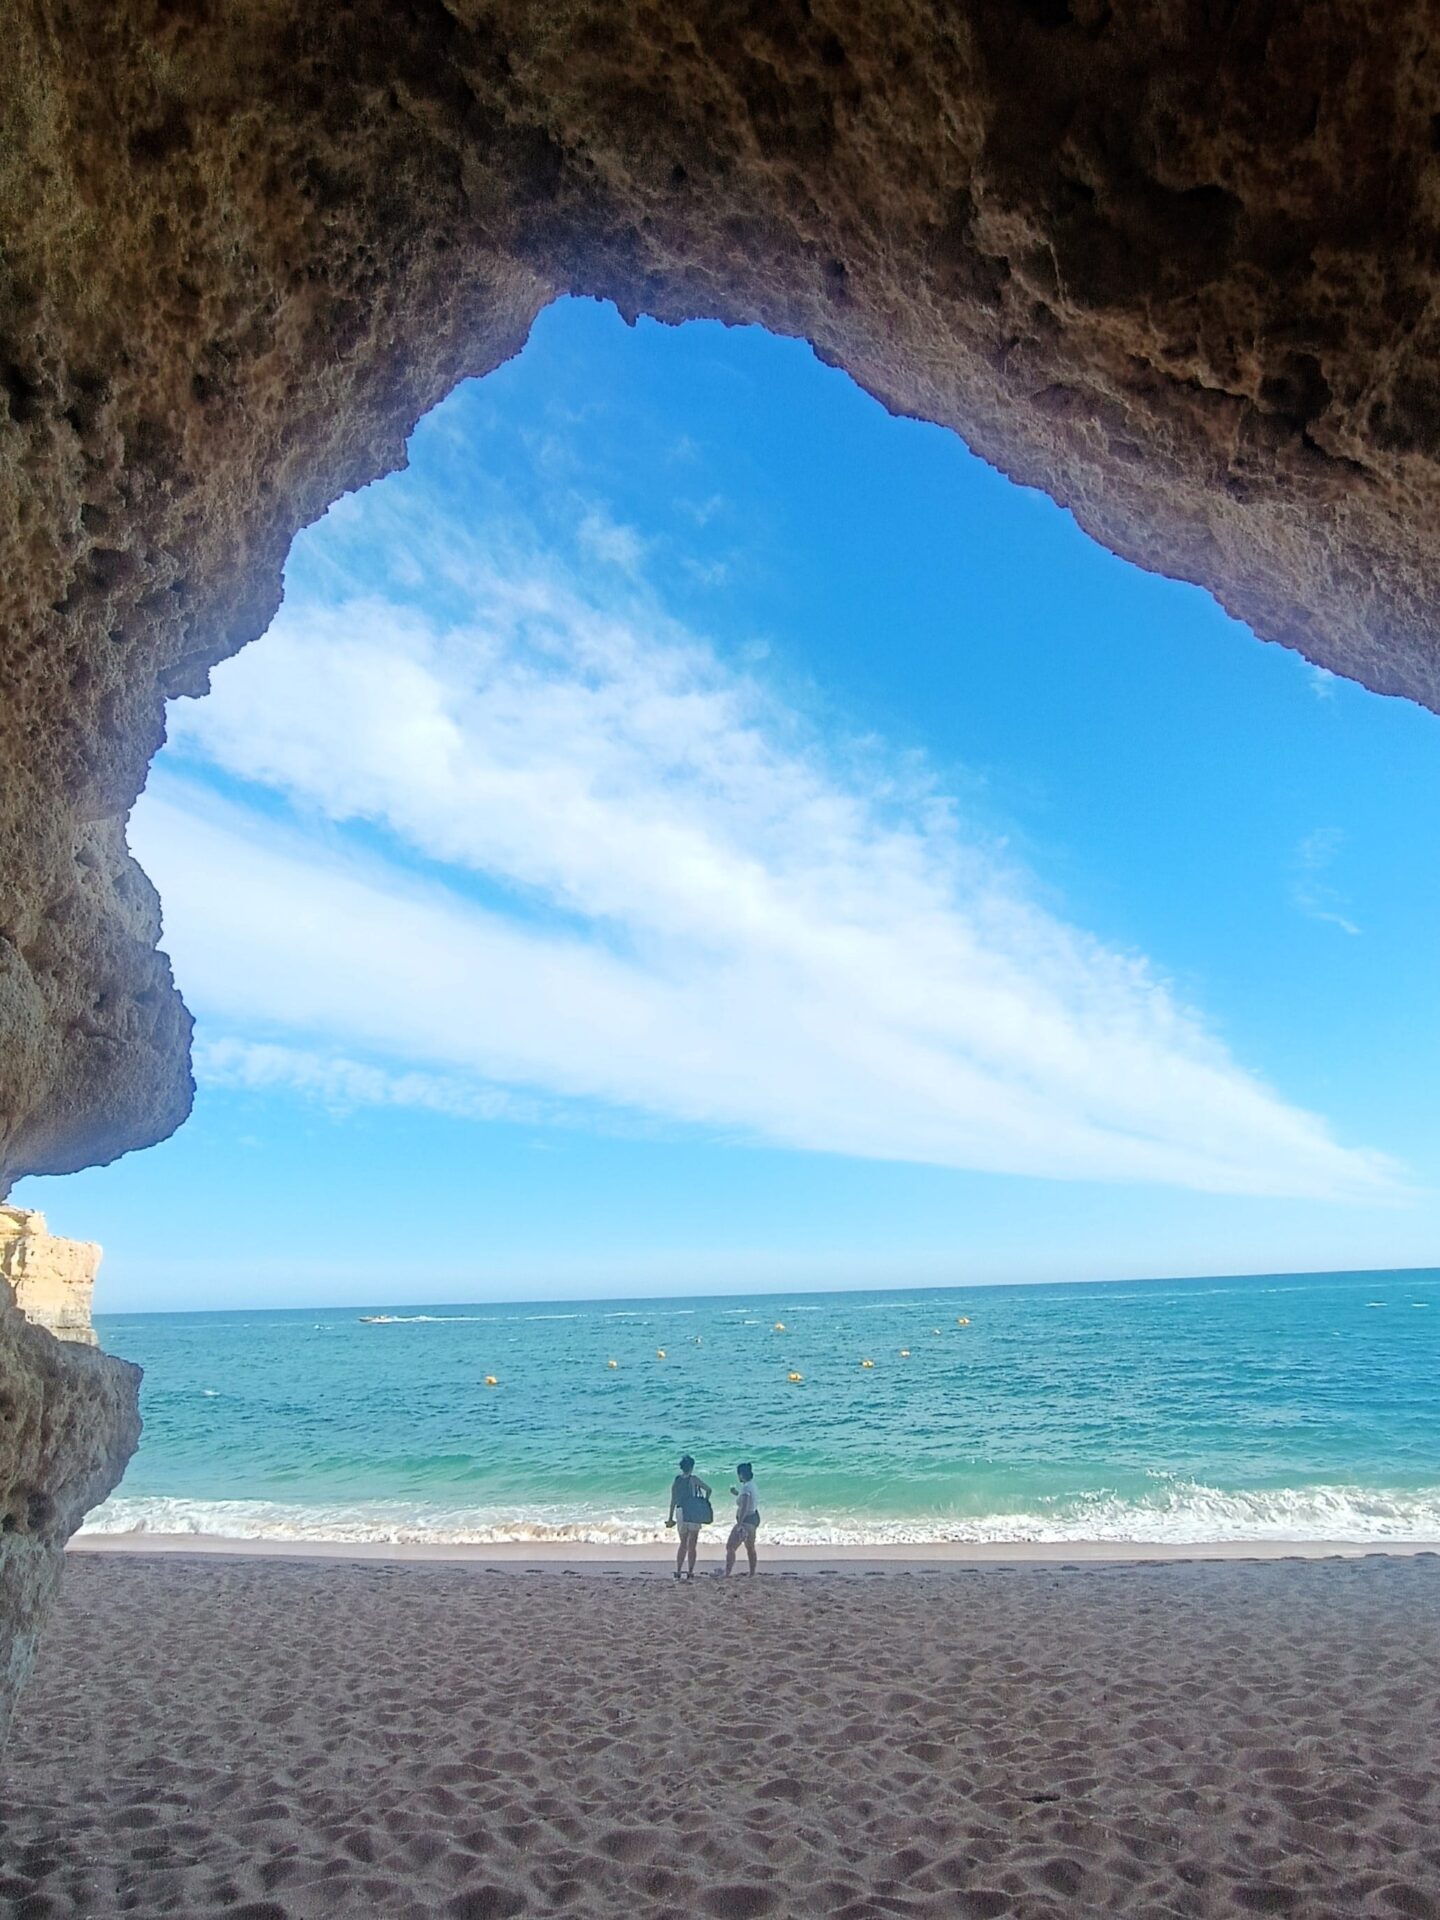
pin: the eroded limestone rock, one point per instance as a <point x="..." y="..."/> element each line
<point x="69" y="1422"/>
<point x="53" y="1280"/>
<point x="1173" y="262"/>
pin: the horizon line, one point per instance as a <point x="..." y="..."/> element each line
<point x="770" y="1293"/>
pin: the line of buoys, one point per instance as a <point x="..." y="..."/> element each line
<point x="962" y="1320"/>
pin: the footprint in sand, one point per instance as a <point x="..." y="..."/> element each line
<point x="742" y="1900"/>
<point x="486" y="1902"/>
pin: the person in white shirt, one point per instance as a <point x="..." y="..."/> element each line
<point x="747" y="1518"/>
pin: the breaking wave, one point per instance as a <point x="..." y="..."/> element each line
<point x="1181" y="1513"/>
<point x="426" y="1319"/>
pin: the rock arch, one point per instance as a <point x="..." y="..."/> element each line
<point x="1174" y="261"/>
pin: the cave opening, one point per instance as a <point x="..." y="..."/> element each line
<point x="692" y="830"/>
<point x="778" y="858"/>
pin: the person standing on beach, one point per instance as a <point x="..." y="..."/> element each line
<point x="691" y="1497"/>
<point x="747" y="1518"/>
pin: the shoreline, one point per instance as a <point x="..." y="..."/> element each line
<point x="630" y="1557"/>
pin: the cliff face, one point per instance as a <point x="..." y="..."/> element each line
<point x="53" y="1280"/>
<point x="69" y="1422"/>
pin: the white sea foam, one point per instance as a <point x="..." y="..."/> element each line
<point x="1179" y="1514"/>
<point x="438" y="1319"/>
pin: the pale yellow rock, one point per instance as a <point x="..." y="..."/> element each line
<point x="53" y="1279"/>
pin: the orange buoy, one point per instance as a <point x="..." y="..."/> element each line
<point x="796" y="1378"/>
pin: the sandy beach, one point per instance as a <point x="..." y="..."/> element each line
<point x="272" y="1737"/>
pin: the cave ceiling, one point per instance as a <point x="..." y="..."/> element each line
<point x="1175" y="263"/>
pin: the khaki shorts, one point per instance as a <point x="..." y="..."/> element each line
<point x="689" y="1529"/>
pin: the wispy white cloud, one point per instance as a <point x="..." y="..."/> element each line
<point x="341" y="1085"/>
<point x="1315" y="897"/>
<point x="1318" y="848"/>
<point x="559" y="848"/>
<point x="702" y="512"/>
<point x="1322" y="682"/>
<point x="611" y="541"/>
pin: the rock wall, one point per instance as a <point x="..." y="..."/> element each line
<point x="69" y="1422"/>
<point x="53" y="1280"/>
<point x="1175" y="261"/>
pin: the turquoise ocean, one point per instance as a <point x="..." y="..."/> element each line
<point x="1297" y="1407"/>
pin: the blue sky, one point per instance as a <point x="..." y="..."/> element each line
<point x="694" y="832"/>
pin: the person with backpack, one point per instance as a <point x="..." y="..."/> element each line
<point x="690" y="1497"/>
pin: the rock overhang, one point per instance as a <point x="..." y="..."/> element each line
<point x="1178" y="267"/>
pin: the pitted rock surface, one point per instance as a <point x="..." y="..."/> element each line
<point x="1174" y="261"/>
<point x="69" y="1422"/>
